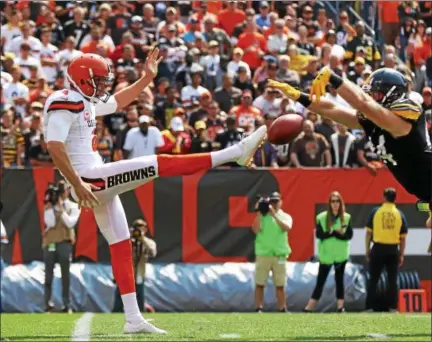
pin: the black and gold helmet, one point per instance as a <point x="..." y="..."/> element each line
<point x="386" y="86"/>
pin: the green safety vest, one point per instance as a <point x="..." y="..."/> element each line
<point x="271" y="240"/>
<point x="332" y="250"/>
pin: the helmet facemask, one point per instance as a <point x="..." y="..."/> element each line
<point x="100" y="83"/>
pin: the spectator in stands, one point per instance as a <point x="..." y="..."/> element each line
<point x="119" y="22"/>
<point x="227" y="96"/>
<point x="131" y="121"/>
<point x="372" y="55"/>
<point x="271" y="249"/>
<point x="104" y="141"/>
<point x="144" y="140"/>
<point x="38" y="154"/>
<point x="212" y="67"/>
<point x="48" y="57"/>
<point x="12" y="29"/>
<point x="25" y="61"/>
<point x="201" y="112"/>
<point x="170" y="19"/>
<point x="389" y="17"/>
<point x="192" y="93"/>
<point x="261" y="74"/>
<point x="343" y="148"/>
<point x="214" y="123"/>
<point x="333" y="231"/>
<point x="284" y="73"/>
<point x="230" y="17"/>
<point x="150" y="22"/>
<point x="176" y="140"/>
<point x="78" y="27"/>
<point x="231" y="136"/>
<point x="200" y="141"/>
<point x="14" y="44"/>
<point x="265" y="156"/>
<point x="211" y="33"/>
<point x="243" y="81"/>
<point x="310" y="149"/>
<point x="269" y="100"/>
<point x="387" y="228"/>
<point x="60" y="217"/>
<point x="253" y="44"/>
<point x="246" y="113"/>
<point x="165" y="110"/>
<point x="32" y="81"/>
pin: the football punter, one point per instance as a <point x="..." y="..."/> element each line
<point x="69" y="128"/>
<point x="394" y="124"/>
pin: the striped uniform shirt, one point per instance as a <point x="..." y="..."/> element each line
<point x="11" y="141"/>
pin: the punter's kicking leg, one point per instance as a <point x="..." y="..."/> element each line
<point x="115" y="178"/>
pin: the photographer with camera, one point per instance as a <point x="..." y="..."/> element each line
<point x="271" y="226"/>
<point x="143" y="248"/>
<point x="61" y="215"/>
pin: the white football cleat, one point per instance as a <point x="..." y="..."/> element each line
<point x="143" y="327"/>
<point x="250" y="144"/>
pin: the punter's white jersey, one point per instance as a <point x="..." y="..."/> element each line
<point x="70" y="118"/>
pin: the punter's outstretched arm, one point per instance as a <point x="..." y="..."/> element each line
<point x="342" y="115"/>
<point x="129" y="94"/>
<point x="361" y="101"/>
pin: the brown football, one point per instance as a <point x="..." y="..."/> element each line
<point x="285" y="129"/>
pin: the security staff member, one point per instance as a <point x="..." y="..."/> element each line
<point x="333" y="230"/>
<point x="61" y="215"/>
<point x="271" y="227"/>
<point x="387" y="228"/>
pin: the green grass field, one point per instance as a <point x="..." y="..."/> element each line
<point x="221" y="327"/>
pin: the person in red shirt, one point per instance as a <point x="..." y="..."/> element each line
<point x="423" y="51"/>
<point x="389" y="17"/>
<point x="96" y="39"/>
<point x="230" y="17"/>
<point x="253" y="44"/>
<point x="177" y="141"/>
<point x="245" y="113"/>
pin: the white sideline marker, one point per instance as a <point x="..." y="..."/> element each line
<point x="229" y="335"/>
<point x="379" y="336"/>
<point x="82" y="327"/>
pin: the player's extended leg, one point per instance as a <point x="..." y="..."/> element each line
<point x="119" y="177"/>
<point x="112" y="222"/>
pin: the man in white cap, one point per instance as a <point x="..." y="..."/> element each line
<point x="144" y="140"/>
<point x="177" y="141"/>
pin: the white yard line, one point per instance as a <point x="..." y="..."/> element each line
<point x="82" y="328"/>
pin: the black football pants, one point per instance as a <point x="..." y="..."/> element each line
<point x="383" y="256"/>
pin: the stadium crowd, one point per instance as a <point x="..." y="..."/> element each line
<point x="211" y="89"/>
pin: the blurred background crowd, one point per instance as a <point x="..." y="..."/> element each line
<point x="210" y="90"/>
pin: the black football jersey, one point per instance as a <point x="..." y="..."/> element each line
<point x="409" y="158"/>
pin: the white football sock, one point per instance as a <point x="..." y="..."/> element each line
<point x="226" y="155"/>
<point x="131" y="308"/>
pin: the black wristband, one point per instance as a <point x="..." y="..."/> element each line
<point x="335" y="80"/>
<point x="304" y="100"/>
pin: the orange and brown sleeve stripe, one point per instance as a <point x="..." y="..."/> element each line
<point x="74" y="107"/>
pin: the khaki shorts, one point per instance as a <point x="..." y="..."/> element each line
<point x="265" y="264"/>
